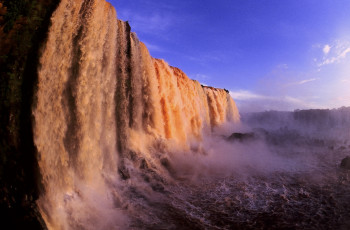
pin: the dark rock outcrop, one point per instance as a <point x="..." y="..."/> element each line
<point x="345" y="163"/>
<point x="242" y="137"/>
<point x="23" y="29"/>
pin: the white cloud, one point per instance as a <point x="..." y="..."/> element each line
<point x="248" y="101"/>
<point x="302" y="82"/>
<point x="326" y="49"/>
<point x="336" y="53"/>
<point x="306" y="81"/>
<point x="344" y="53"/>
<point x="244" y="95"/>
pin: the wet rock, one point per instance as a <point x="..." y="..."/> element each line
<point x="166" y="164"/>
<point x="144" y="164"/>
<point x="345" y="163"/>
<point x="123" y="172"/>
<point x="261" y="132"/>
<point x="241" y="137"/>
<point x="157" y="187"/>
<point x="228" y="201"/>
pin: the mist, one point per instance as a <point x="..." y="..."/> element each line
<point x="273" y="169"/>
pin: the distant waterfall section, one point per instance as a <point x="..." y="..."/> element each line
<point x="104" y="105"/>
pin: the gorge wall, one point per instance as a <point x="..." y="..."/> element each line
<point x="23" y="31"/>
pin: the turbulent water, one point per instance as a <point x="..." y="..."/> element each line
<point x="126" y="141"/>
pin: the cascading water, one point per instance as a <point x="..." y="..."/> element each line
<point x="103" y="102"/>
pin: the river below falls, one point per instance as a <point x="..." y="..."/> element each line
<point x="314" y="197"/>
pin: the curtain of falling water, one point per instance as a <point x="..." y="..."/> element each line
<point x="100" y="95"/>
<point x="75" y="130"/>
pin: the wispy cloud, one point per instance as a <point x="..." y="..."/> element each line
<point x="306" y="81"/>
<point x="302" y="82"/>
<point x="245" y="95"/>
<point x="151" y="47"/>
<point x="201" y="78"/>
<point x="145" y="23"/>
<point x="248" y="101"/>
<point x="335" y="53"/>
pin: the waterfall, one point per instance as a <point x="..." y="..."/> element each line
<point x="102" y="98"/>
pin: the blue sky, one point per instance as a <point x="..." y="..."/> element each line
<point x="270" y="54"/>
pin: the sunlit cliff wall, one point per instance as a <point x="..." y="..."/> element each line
<point x="101" y="96"/>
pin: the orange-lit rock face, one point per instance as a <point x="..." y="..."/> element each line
<point x="101" y="95"/>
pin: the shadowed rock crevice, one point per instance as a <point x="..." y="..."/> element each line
<point x="19" y="172"/>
